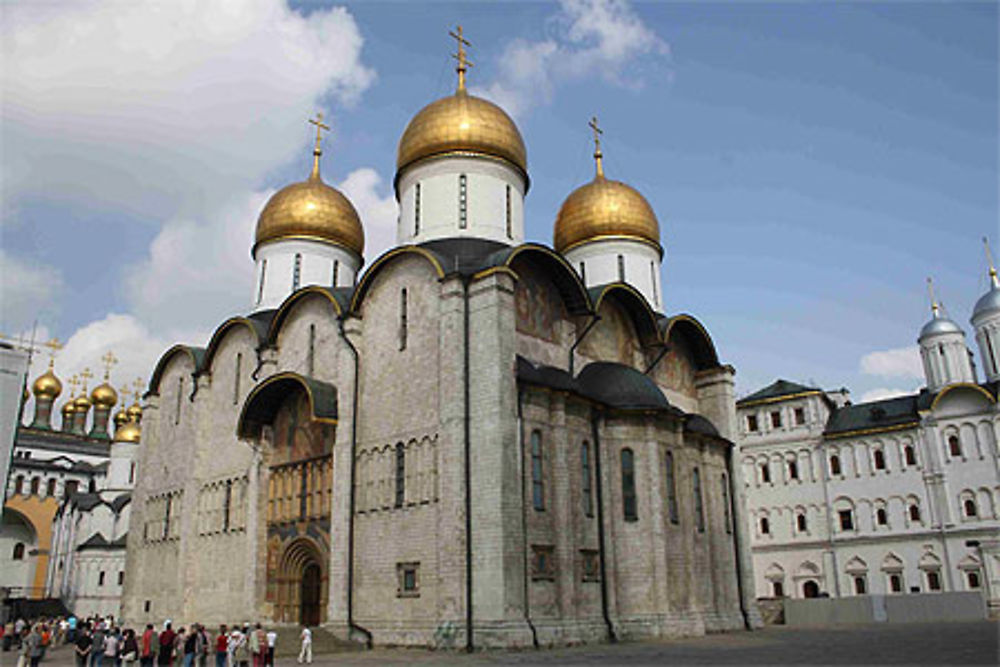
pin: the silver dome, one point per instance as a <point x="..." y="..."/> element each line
<point x="987" y="304"/>
<point x="940" y="325"/>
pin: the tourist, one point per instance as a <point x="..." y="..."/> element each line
<point x="241" y="650"/>
<point x="83" y="645"/>
<point x="33" y="647"/>
<point x="258" y="646"/>
<point x="165" y="654"/>
<point x="130" y="649"/>
<point x="148" y="649"/>
<point x="202" y="645"/>
<point x="221" y="648"/>
<point x="71" y="635"/>
<point x="111" y="642"/>
<point x="272" y="639"/>
<point x="306" y="652"/>
<point x="190" y="646"/>
<point x="97" y="652"/>
<point x="179" y="640"/>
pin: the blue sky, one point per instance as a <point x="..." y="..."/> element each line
<point x="810" y="163"/>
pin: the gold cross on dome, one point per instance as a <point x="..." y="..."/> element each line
<point x="137" y="386"/>
<point x="598" y="155"/>
<point x="930" y="291"/>
<point x="74" y="382"/>
<point x="317" y="150"/>
<point x="85" y="375"/>
<point x="463" y="61"/>
<point x="54" y="346"/>
<point x="109" y="360"/>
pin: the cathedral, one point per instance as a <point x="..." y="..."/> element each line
<point x="475" y="442"/>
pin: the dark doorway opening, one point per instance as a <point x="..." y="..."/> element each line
<point x="310" y="595"/>
<point x="810" y="589"/>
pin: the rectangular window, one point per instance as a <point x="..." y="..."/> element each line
<point x="50" y="488"/>
<point x="227" y="505"/>
<point x="100" y="578"/>
<point x="752" y="423"/>
<point x="236" y="378"/>
<point x="800" y="416"/>
<point x="121" y="577"/>
<point x="416" y="210"/>
<point x="621" y="268"/>
<point x="131" y="473"/>
<point x="336" y="272"/>
<point x="699" y="506"/>
<point x="933" y="580"/>
<point x="583" y="273"/>
<point x="311" y="351"/>
<point x="629" y="501"/>
<point x="543" y="565"/>
<point x="652" y="276"/>
<point x="400" y="474"/>
<point x="177" y="407"/>
<point x="297" y="272"/>
<point x="462" y="202"/>
<point x="793" y="470"/>
<point x="672" y="509"/>
<point x="765" y="474"/>
<point x="776" y="419"/>
<point x="408" y="580"/>
<point x="590" y="565"/>
<point x="403" y="317"/>
<point x="510" y="223"/>
<point x="69" y="488"/>
<point x="860" y="586"/>
<point x="537" y="485"/>
<point x="588" y="495"/>
<point x="846" y="519"/>
<point x="896" y="583"/>
<point x="725" y="504"/>
<point x="260" y="286"/>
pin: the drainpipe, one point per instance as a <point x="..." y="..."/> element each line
<point x="524" y="515"/>
<point x="594" y="415"/>
<point x="469" y="644"/>
<point x="740" y="574"/>
<point x="594" y="320"/>
<point x="350" y="511"/>
<point x="663" y="352"/>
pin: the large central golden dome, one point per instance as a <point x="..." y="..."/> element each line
<point x="311" y="210"/>
<point x="605" y="209"/>
<point x="462" y="123"/>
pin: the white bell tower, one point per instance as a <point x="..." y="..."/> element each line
<point x="945" y="356"/>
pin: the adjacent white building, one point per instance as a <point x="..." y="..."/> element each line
<point x="893" y="496"/>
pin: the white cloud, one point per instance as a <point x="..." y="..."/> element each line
<point x="378" y="213"/>
<point x="901" y="362"/>
<point x="590" y="38"/>
<point x="28" y="291"/>
<point x="880" y="393"/>
<point x="163" y="109"/>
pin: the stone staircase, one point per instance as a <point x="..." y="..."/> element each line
<point x="323" y="642"/>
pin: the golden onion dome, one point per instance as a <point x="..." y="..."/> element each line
<point x="82" y="403"/>
<point x="120" y="418"/>
<point x="47" y="385"/>
<point x="605" y="209"/>
<point x="104" y="396"/>
<point x="68" y="407"/>
<point x="128" y="432"/>
<point x="311" y="210"/>
<point x="462" y="123"/>
<point x="134" y="413"/>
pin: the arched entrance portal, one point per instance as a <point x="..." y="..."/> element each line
<point x="311" y="590"/>
<point x="301" y="590"/>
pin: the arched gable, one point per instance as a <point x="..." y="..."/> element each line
<point x="262" y="404"/>
<point x="195" y="354"/>
<point x="634" y="303"/>
<point x="961" y="398"/>
<point x="258" y="330"/>
<point x="572" y="290"/>
<point x="385" y="260"/>
<point x="696" y="336"/>
<point x="337" y="300"/>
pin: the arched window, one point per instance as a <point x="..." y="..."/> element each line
<point x="652" y="275"/>
<point x="621" y="268"/>
<point x="260" y="286"/>
<point x="403" y="319"/>
<point x="463" y="206"/>
<point x="19" y="484"/>
<point x="587" y="486"/>
<point x="583" y="273"/>
<point x="970" y="507"/>
<point x="699" y="503"/>
<point x="400" y="474"/>
<point x="765" y="526"/>
<point x="297" y="271"/>
<point x="336" y="273"/>
<point x="834" y="465"/>
<point x="50" y="488"/>
<point x="537" y="485"/>
<point x="801" y="522"/>
<point x="879" y="459"/>
<point x="177" y="407"/>
<point x="954" y="446"/>
<point x="236" y="377"/>
<point x="778" y="588"/>
<point x="100" y="578"/>
<point x="765" y="473"/>
<point x="416" y="210"/>
<point x="36" y="483"/>
<point x="18" y="551"/>
<point x="810" y="589"/>
<point x="860" y="585"/>
<point x="672" y="510"/>
<point x="793" y="470"/>
<point x="510" y="229"/>
<point x="914" y="513"/>
<point x="895" y="583"/>
<point x="881" y="517"/>
<point x="629" y="503"/>
<point x="910" y="454"/>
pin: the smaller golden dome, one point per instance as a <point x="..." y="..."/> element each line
<point x="47" y="386"/>
<point x="68" y="407"/>
<point x="605" y="209"/>
<point x="461" y="123"/>
<point x="82" y="403"/>
<point x="134" y="413"/>
<point x="128" y="432"/>
<point x="120" y="418"/>
<point x="104" y="396"/>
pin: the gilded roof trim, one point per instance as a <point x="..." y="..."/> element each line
<point x="615" y="237"/>
<point x="961" y="385"/>
<point x="365" y="283"/>
<point x="290" y="301"/>
<point x="779" y="399"/>
<point x="870" y="431"/>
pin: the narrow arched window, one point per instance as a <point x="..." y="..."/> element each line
<point x="652" y="277"/>
<point x="400" y="474"/>
<point x="510" y="221"/>
<point x="260" y="285"/>
<point x="765" y="473"/>
<point x="801" y="523"/>
<point x="621" y="268"/>
<point x="36" y="484"/>
<point x="910" y="455"/>
<point x="537" y="485"/>
<point x="463" y="204"/>
<point x="725" y="503"/>
<point x="100" y="578"/>
<point x="416" y="210"/>
<point x="933" y="580"/>
<point x="954" y="446"/>
<point x="18" y="553"/>
<point x="765" y="526"/>
<point x="970" y="507"/>
<point x="583" y="273"/>
<point x="131" y="473"/>
<point x="671" y="478"/>
<point x="629" y="503"/>
<point x="403" y="319"/>
<point x="237" y="371"/>
<point x="699" y="503"/>
<point x="860" y="585"/>
<point x="336" y="273"/>
<point x="587" y="487"/>
<point x="19" y="484"/>
<point x="834" y="465"/>
<point x="879" y="459"/>
<point x="895" y="583"/>
<point x="177" y="406"/>
<point x="50" y="488"/>
<point x="793" y="470"/>
<point x="778" y="588"/>
<point x="311" y="351"/>
<point x="297" y="272"/>
<point x="881" y="517"/>
<point x="914" y="513"/>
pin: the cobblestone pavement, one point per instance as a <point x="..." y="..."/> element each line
<point x="928" y="644"/>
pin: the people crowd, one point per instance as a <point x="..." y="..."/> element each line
<point x="101" y="642"/>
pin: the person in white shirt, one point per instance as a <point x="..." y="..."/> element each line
<point x="272" y="639"/>
<point x="306" y="653"/>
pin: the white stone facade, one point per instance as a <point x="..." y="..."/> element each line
<point x="629" y="261"/>
<point x="285" y="265"/>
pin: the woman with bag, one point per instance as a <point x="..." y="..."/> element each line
<point x="130" y="649"/>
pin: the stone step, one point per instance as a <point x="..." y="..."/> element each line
<point x="323" y="642"/>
